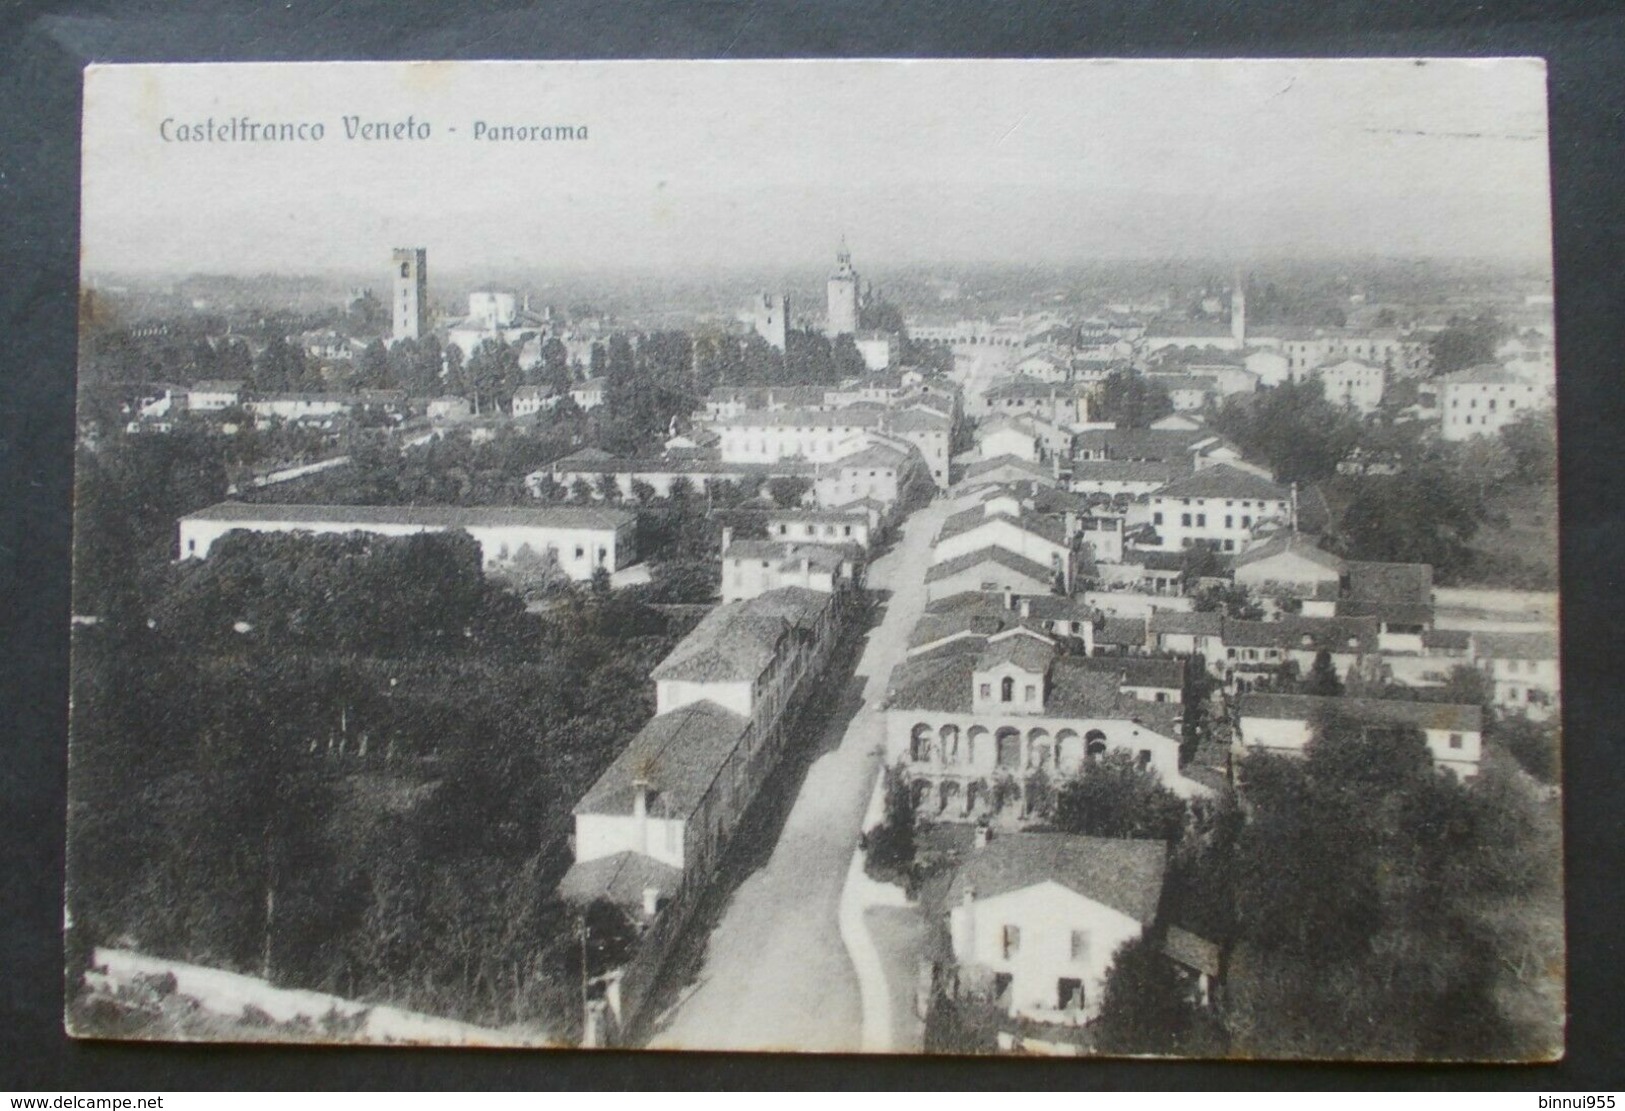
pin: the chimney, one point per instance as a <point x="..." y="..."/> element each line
<point x="651" y="901"/>
<point x="640" y="811"/>
<point x="983" y="834"/>
<point x="1026" y="607"/>
<point x="1009" y="598"/>
<point x="1071" y="519"/>
<point x="806" y="572"/>
<point x="727" y="538"/>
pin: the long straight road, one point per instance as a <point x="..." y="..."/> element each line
<point x="776" y="974"/>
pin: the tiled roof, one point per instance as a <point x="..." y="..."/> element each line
<point x="1290" y="543"/>
<point x="915" y="420"/>
<point x="1023" y="468"/>
<point x="1121" y="874"/>
<point x="735" y="642"/>
<point x="1484" y="374"/>
<point x="1191" y="951"/>
<point x="1390" y="583"/>
<point x="1367" y="711"/>
<point x="1224" y="481"/>
<point x="805" y="418"/>
<point x="1332" y="634"/>
<point x="789" y="554"/>
<point x="1121" y="631"/>
<point x="1140" y="443"/>
<point x="969" y="520"/>
<point x="1457" y="639"/>
<point x="1010" y="560"/>
<point x="620" y="878"/>
<point x="426" y="516"/>
<point x="1136" y="671"/>
<point x="875" y="455"/>
<point x="678" y="754"/>
<point x="1187" y="623"/>
<point x="1515" y="646"/>
<point x="939" y="682"/>
<point x="1125" y="470"/>
<point x="1026" y="652"/>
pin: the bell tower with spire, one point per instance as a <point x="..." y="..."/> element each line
<point x="843" y="296"/>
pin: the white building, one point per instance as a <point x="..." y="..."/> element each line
<point x="879" y="350"/>
<point x="1285" y="723"/>
<point x="1353" y="383"/>
<point x="1219" y="506"/>
<point x="496" y="317"/>
<point x="213" y="395"/>
<point x="751" y="568"/>
<point x="814" y="436"/>
<point x="1481" y="400"/>
<point x="582" y="539"/>
<point x="1035" y="919"/>
<point x="1524" y="669"/>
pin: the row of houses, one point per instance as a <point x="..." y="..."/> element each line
<point x="653" y="828"/>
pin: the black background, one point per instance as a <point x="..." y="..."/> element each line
<point x="43" y="47"/>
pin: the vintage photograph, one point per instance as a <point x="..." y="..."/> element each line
<point x="1049" y="558"/>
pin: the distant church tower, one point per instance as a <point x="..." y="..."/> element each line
<point x="1238" y="311"/>
<point x="411" y="293"/>
<point x="843" y="296"/>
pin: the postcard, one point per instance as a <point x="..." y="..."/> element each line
<point x="968" y="557"/>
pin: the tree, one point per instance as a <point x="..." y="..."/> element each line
<point x="1322" y="679"/>
<point x="555" y="366"/>
<point x="891" y="843"/>
<point x="1132" y="400"/>
<point x="1534" y="745"/>
<point x="1531" y="440"/>
<point x="1292" y="427"/>
<point x="372" y="370"/>
<point x="1114" y="796"/>
<point x="1464" y="342"/>
<point x="1146" y="1007"/>
<point x="1425" y="514"/>
<point x="788" y="491"/>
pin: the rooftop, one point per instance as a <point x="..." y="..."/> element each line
<point x="736" y="642"/>
<point x="806" y="418"/>
<point x="1367" y="711"/>
<point x="1332" y="634"/>
<point x="1290" y="543"/>
<point x="678" y="755"/>
<point x="1037" y="572"/>
<point x="1224" y="481"/>
<point x="969" y="520"/>
<point x="1515" y="646"/>
<point x="620" y="878"/>
<point x="1121" y="874"/>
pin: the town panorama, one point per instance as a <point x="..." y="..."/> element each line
<point x="621" y="639"/>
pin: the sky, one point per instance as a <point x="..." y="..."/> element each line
<point x="707" y="166"/>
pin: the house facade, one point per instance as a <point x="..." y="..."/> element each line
<point x="1220" y="507"/>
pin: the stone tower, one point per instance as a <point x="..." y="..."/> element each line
<point x="1238" y="311"/>
<point x="410" y="301"/>
<point x="843" y="296"/>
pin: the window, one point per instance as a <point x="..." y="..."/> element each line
<point x="987" y="690"/>
<point x="1032" y="693"/>
<point x="581" y="553"/>
<point x="1011" y="941"/>
<point x="1229" y="521"/>
<point x="1185" y="520"/>
<point x="1156" y="518"/>
<point x="191" y="546"/>
<point x="1455" y="740"/>
<point x="1080" y="945"/>
<point x="1201" y="520"/>
<point x="1145" y="758"/>
<point x="1246" y="522"/>
<point x="1007" y="690"/>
